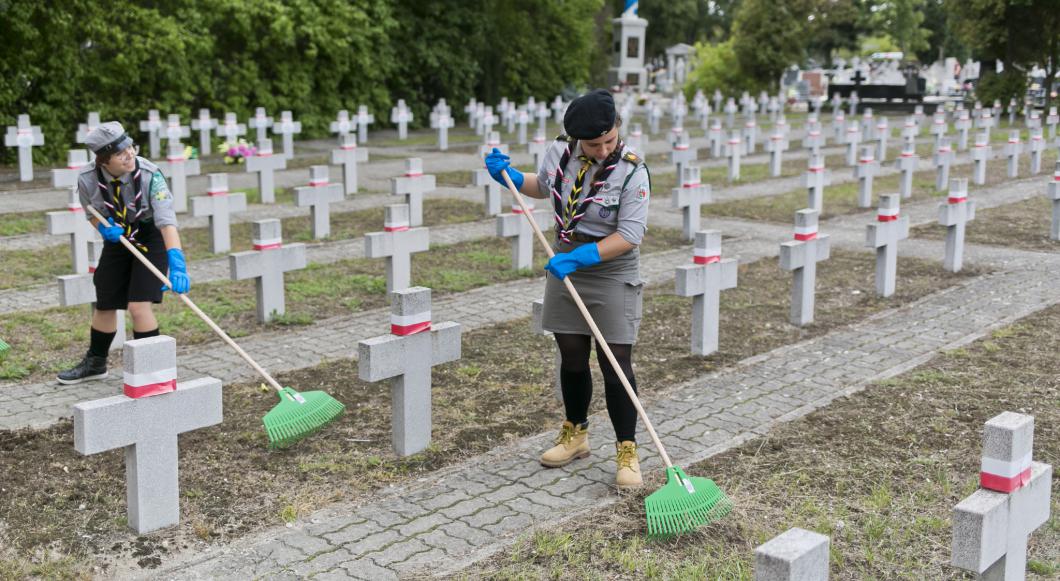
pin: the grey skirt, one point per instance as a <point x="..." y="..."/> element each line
<point x="612" y="291"/>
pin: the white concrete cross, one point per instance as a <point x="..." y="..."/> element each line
<point x="1053" y="195"/>
<point x="25" y="137"/>
<point x="178" y="168"/>
<point x="814" y="139"/>
<point x="364" y="119"/>
<point x="795" y="555"/>
<point x="265" y="164"/>
<point x="1051" y="121"/>
<point x="204" y="124"/>
<point x="173" y="131"/>
<point x="910" y="130"/>
<point x="153" y="127"/>
<point x="492" y="190"/>
<point x="939" y="127"/>
<point x="963" y="125"/>
<point x="883" y="235"/>
<point x="853" y="140"/>
<point x="319" y="195"/>
<point x="703" y="280"/>
<point x="516" y="226"/>
<point x="347" y="156"/>
<point x="750" y="136"/>
<point x="261" y="122"/>
<point x="717" y="139"/>
<point x="232" y="128"/>
<point x="865" y="171"/>
<point x="342" y="125"/>
<point x="1037" y="147"/>
<point x="219" y="205"/>
<point x="776" y="145"/>
<point x="839" y="127"/>
<point x="539" y="146"/>
<point x="397" y="243"/>
<point x="954" y="214"/>
<point x="733" y="150"/>
<point x="401" y="116"/>
<point x="981" y="153"/>
<point x="991" y="527"/>
<point x="800" y="256"/>
<point x="559" y="108"/>
<point x="730" y="113"/>
<point x="883" y="134"/>
<point x="472" y="111"/>
<point x="442" y="121"/>
<point x="996" y="110"/>
<point x="287" y="127"/>
<point x="1013" y="107"/>
<point x="868" y="125"/>
<point x="655" y="114"/>
<point x="83" y="129"/>
<point x="683" y="153"/>
<point x="943" y="159"/>
<point x="814" y="180"/>
<point x="854" y="100"/>
<point x="493" y="141"/>
<point x="907" y="163"/>
<point x="266" y="265"/>
<point x="522" y="121"/>
<point x="541" y="112"/>
<point x="147" y="428"/>
<point x="72" y="221"/>
<point x="413" y="185"/>
<point x="1013" y="149"/>
<point x="406" y="356"/>
<point x="689" y="196"/>
<point x="918" y="118"/>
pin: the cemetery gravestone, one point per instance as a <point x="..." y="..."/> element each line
<point x="907" y="163"/>
<point x="981" y="152"/>
<point x="800" y="256"/>
<point x="795" y="555"/>
<point x="853" y="138"/>
<point x="153" y="127"/>
<point x="538" y="146"/>
<point x="943" y="159"/>
<point x="777" y="144"/>
<point x="883" y="134"/>
<point x="703" y="281"/>
<point x="72" y="221"/>
<point x="261" y="122"/>
<point x="883" y="235"/>
<point x="204" y="125"/>
<point x="413" y="185"/>
<point x="865" y="171"/>
<point x="683" y="153"/>
<point x="319" y="195"/>
<point x="173" y="132"/>
<point x="1013" y="149"/>
<point x="401" y="116"/>
<point x="688" y="197"/>
<point x="954" y="214"/>
<point x="287" y="128"/>
<point x="232" y="128"/>
<point x="1053" y="194"/>
<point x="735" y="146"/>
<point x="83" y="129"/>
<point x="265" y="164"/>
<point x="1037" y="147"/>
<point x="814" y="180"/>
<point x="963" y="125"/>
<point x="516" y="226"/>
<point x="492" y="190"/>
<point x="178" y="168"/>
<point x="25" y="137"/>
<point x="219" y="205"/>
<point x="397" y="242"/>
<point x="347" y="156"/>
<point x="364" y="119"/>
<point x="266" y="265"/>
<point x="342" y="125"/>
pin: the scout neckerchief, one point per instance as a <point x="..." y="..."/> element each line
<point x="568" y="215"/>
<point x="119" y="210"/>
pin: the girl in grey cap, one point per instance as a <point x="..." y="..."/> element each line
<point x="599" y="190"/>
<point x="132" y="193"/>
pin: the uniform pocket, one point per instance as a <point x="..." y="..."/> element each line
<point x="634" y="300"/>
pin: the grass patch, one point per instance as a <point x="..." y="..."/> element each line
<point x="19" y="223"/>
<point x="485" y="399"/>
<point x="1024" y="225"/>
<point x="879" y="472"/>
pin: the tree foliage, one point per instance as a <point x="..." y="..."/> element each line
<point x="60" y="60"/>
<point x="767" y="38"/>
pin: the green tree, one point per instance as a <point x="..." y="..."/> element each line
<point x="902" y="20"/>
<point x="716" y="68"/>
<point x="767" y="38"/>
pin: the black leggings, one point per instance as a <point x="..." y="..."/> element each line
<point x="577" y="383"/>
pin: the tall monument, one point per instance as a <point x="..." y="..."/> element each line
<point x="628" y="32"/>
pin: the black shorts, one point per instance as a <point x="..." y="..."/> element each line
<point x="121" y="278"/>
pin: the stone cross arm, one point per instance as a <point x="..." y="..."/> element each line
<point x="382" y="357"/>
<point x="254" y="263"/>
<point x="382" y="244"/>
<point x="793" y="253"/>
<point x="691" y="279"/>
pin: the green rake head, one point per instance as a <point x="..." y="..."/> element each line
<point x="4" y="348"/>
<point x="684" y="504"/>
<point x="299" y="415"/>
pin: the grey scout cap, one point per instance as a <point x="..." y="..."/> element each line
<point x="108" y="138"/>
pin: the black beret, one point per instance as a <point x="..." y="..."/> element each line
<point x="591" y="115"/>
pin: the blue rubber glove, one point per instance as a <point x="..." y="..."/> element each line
<point x="110" y="232"/>
<point x="496" y="162"/>
<point x="178" y="271"/>
<point x="565" y="263"/>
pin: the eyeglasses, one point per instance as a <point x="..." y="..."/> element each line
<point x="128" y="153"/>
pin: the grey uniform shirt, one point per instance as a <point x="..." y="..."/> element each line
<point x="157" y="198"/>
<point x="614" y="208"/>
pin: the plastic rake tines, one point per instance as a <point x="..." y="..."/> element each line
<point x="299" y="415"/>
<point x="684" y="504"/>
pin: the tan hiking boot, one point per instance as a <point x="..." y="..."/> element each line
<point x="628" y="474"/>
<point x="572" y="443"/>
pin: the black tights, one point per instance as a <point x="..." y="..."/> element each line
<point x="577" y="383"/>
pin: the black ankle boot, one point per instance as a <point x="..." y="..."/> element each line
<point x="91" y="367"/>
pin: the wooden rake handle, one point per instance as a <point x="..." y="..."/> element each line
<point x="195" y="309"/>
<point x="600" y="342"/>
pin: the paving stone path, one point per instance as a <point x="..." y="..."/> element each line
<point x="466" y="513"/>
